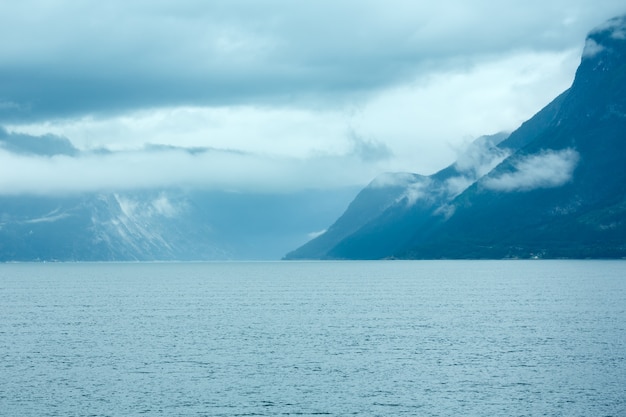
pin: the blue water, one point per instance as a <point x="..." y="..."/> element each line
<point x="476" y="338"/>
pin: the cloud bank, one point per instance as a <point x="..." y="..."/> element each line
<point x="281" y="92"/>
<point x="175" y="167"/>
<point x="119" y="56"/>
<point x="548" y="169"/>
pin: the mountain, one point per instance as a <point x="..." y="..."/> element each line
<point x="162" y="225"/>
<point x="157" y="224"/>
<point x="555" y="187"/>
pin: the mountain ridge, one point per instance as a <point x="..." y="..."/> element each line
<point x="558" y="191"/>
<point x="161" y="225"/>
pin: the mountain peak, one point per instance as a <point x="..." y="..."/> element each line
<point x="556" y="187"/>
<point x="605" y="40"/>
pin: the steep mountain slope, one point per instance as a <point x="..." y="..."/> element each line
<point x="392" y="196"/>
<point x="560" y="193"/>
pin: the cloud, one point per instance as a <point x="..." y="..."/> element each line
<point x="164" y="207"/>
<point x="293" y="92"/>
<point x="482" y="155"/>
<point x="28" y="144"/>
<point x="80" y="58"/>
<point x="370" y="150"/>
<point x="474" y="161"/>
<point x="615" y="26"/>
<point x="159" y="206"/>
<point x="592" y="48"/>
<point x="394" y="179"/>
<point x="313" y="235"/>
<point x="544" y="170"/>
<point x="426" y="121"/>
<point x="412" y="128"/>
<point x="271" y="130"/>
<point x="416" y="191"/>
<point x="166" y="168"/>
<point x="456" y="185"/>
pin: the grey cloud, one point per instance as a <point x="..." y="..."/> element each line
<point x="46" y="145"/>
<point x="544" y="170"/>
<point x="370" y="150"/>
<point x="192" y="150"/>
<point x="81" y="58"/>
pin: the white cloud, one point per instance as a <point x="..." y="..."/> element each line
<point x="456" y="185"/>
<point x="393" y="179"/>
<point x="544" y="170"/>
<point x="592" y="48"/>
<point x="270" y="130"/>
<point x="164" y="207"/>
<point x="481" y="156"/>
<point x="416" y="191"/>
<point x="313" y="235"/>
<point x="126" y="170"/>
<point x="616" y="26"/>
<point x="426" y="121"/>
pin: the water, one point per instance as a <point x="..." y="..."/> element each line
<point x="514" y="338"/>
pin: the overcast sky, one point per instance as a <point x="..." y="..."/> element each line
<point x="270" y="95"/>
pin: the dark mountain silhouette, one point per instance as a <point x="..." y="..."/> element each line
<point x="555" y="187"/>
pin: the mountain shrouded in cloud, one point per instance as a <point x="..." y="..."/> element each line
<point x="230" y="130"/>
<point x="560" y="192"/>
<point x="162" y="225"/>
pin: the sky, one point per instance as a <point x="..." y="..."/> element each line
<point x="269" y="95"/>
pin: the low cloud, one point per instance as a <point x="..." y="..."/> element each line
<point x="616" y="27"/>
<point x="159" y="206"/>
<point x="370" y="150"/>
<point x="164" y="207"/>
<point x="592" y="48"/>
<point x="456" y="185"/>
<point x="416" y="191"/>
<point x="157" y="169"/>
<point x="545" y="170"/>
<point x="394" y="179"/>
<point x="478" y="159"/>
<point x="313" y="235"/>
<point x="482" y="155"/>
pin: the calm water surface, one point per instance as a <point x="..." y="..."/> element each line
<point x="477" y="338"/>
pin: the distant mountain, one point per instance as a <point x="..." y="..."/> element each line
<point x="158" y="224"/>
<point x="162" y="225"/>
<point x="555" y="187"/>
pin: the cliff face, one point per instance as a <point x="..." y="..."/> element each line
<point x="556" y="187"/>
